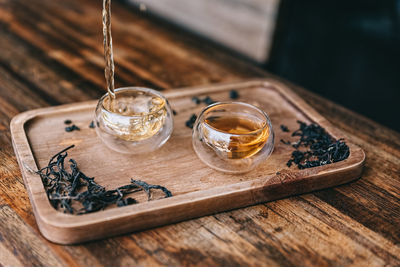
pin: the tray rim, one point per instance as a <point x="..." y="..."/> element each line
<point x="49" y="219"/>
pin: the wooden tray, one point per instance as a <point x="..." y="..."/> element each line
<point x="197" y="189"/>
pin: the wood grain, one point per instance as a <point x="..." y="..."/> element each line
<point x="198" y="192"/>
<point x="334" y="227"/>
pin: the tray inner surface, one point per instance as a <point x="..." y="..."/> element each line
<point x="175" y="165"/>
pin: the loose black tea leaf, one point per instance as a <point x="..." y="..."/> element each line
<point x="91" y="125"/>
<point x="190" y="122"/>
<point x="126" y="202"/>
<point x="147" y="188"/>
<point x="285" y="142"/>
<point x="233" y="94"/>
<point x="196" y="100"/>
<point x="67" y="121"/>
<point x="208" y="100"/>
<point x="315" y="147"/>
<point x="71" y="128"/>
<point x="193" y="118"/>
<point x="284" y="128"/>
<point x="74" y="192"/>
<point x="174" y="112"/>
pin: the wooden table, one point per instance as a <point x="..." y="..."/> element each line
<point x="51" y="53"/>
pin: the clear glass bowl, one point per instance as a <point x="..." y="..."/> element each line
<point x="233" y="137"/>
<point x="139" y="120"/>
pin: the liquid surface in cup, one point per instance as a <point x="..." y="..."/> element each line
<point x="135" y="116"/>
<point x="236" y="137"/>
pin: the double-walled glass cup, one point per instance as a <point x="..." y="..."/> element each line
<point x="139" y="120"/>
<point x="233" y="137"/>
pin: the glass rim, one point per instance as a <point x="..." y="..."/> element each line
<point x="266" y="122"/>
<point x="138" y="89"/>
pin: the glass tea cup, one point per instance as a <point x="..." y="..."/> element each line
<point x="233" y="137"/>
<point x="139" y="120"/>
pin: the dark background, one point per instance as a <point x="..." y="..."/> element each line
<point x="347" y="51"/>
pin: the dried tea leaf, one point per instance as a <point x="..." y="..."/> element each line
<point x="68" y="190"/>
<point x="315" y="147"/>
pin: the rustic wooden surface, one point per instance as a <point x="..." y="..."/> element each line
<point x="48" y="47"/>
<point x="39" y="134"/>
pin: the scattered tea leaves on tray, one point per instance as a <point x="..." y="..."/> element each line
<point x="67" y="122"/>
<point x="284" y="128"/>
<point x="190" y="122"/>
<point x="233" y="94"/>
<point x="174" y="112"/>
<point x="91" y="125"/>
<point x="206" y="100"/>
<point x="71" y="128"/>
<point x="316" y="147"/>
<point x="76" y="193"/>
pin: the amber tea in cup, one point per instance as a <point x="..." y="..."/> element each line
<point x="233" y="137"/>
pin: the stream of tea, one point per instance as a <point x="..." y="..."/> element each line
<point x="149" y="111"/>
<point x="108" y="51"/>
